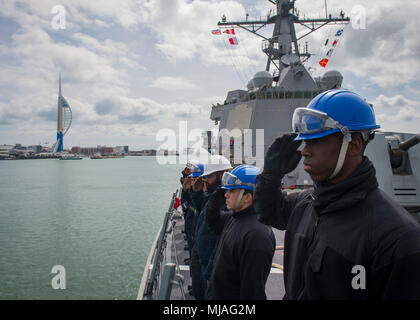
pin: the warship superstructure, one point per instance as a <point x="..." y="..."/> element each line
<point x="268" y="103"/>
<point x="271" y="98"/>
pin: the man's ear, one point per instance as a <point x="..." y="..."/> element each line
<point x="356" y="145"/>
<point x="249" y="197"/>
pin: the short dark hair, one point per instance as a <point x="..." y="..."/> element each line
<point x="249" y="191"/>
<point x="366" y="137"/>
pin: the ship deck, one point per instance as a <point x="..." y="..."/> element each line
<point x="274" y="287"/>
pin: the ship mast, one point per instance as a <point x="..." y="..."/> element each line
<point x="283" y="41"/>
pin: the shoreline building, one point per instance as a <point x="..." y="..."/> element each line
<point x="64" y="118"/>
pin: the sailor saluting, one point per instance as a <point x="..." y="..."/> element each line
<point x="345" y="239"/>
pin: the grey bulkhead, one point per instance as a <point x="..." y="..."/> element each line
<point x="270" y="110"/>
<point x="400" y="182"/>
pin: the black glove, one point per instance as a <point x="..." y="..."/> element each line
<point x="213" y="215"/>
<point x="282" y="156"/>
<point x="216" y="200"/>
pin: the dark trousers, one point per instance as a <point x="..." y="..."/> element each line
<point x="209" y="293"/>
<point x="198" y="282"/>
<point x="189" y="231"/>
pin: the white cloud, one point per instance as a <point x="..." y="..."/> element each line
<point x="186" y="32"/>
<point x="137" y="55"/>
<point x="106" y="47"/>
<point x="173" y="83"/>
<point x="397" y="113"/>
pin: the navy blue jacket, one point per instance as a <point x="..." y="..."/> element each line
<point x="205" y="240"/>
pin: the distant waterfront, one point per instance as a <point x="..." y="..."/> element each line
<point x="98" y="219"/>
<point x="20" y="152"/>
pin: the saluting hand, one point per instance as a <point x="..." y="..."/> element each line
<point x="187" y="183"/>
<point x="197" y="184"/>
<point x="213" y="213"/>
<point x="282" y="156"/>
<point x="216" y="200"/>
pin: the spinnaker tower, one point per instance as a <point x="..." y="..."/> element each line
<point x="64" y="119"/>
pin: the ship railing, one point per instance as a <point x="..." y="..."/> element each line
<point x="180" y="278"/>
<point x="172" y="269"/>
<point x="151" y="290"/>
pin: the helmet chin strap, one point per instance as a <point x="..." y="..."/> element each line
<point x="341" y="156"/>
<point x="238" y="199"/>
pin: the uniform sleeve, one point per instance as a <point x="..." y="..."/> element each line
<point x="198" y="226"/>
<point x="209" y="267"/>
<point x="185" y="198"/>
<point x="272" y="205"/>
<point x="403" y="280"/>
<point x="216" y="219"/>
<point x="197" y="199"/>
<point x="256" y="256"/>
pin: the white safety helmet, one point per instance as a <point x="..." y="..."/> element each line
<point x="191" y="163"/>
<point x="216" y="163"/>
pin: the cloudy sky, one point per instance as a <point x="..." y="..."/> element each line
<point x="132" y="67"/>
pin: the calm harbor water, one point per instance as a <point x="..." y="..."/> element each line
<point x="96" y="218"/>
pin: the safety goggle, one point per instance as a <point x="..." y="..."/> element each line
<point x="194" y="167"/>
<point x="190" y="165"/>
<point x="230" y="180"/>
<point x="312" y="121"/>
<point x="196" y="171"/>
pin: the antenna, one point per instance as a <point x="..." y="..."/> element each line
<point x="326" y="11"/>
<point x="283" y="40"/>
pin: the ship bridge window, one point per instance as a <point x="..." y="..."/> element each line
<point x="314" y="94"/>
<point x="288" y="95"/>
<point x="307" y="94"/>
<point x="269" y="95"/>
<point x="275" y="95"/>
<point x="281" y="95"/>
<point x="298" y="94"/>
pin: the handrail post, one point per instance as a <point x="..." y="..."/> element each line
<point x="166" y="281"/>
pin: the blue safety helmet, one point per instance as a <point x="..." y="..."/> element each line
<point x="197" y="170"/>
<point x="333" y="111"/>
<point x="242" y="177"/>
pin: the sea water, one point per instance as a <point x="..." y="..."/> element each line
<point x="94" y="219"/>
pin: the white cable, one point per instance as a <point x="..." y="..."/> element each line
<point x="341" y="157"/>
<point x="245" y="55"/>
<point x="233" y="63"/>
<point x="238" y="199"/>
